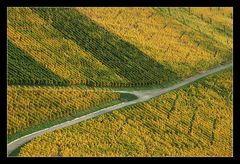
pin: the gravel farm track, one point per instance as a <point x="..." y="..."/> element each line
<point x="143" y="95"/>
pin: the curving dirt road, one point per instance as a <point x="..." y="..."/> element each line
<point x="142" y="96"/>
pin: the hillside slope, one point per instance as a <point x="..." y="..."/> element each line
<point x="192" y="121"/>
<point x="47" y="46"/>
<point x="22" y="69"/>
<point x="184" y="40"/>
<point x="33" y="106"/>
<point x="119" y="46"/>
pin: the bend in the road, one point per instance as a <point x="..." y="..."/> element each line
<point x="142" y="96"/>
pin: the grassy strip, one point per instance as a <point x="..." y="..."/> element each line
<point x="127" y="96"/>
<point x="58" y="121"/>
<point x="123" y="96"/>
<point x="15" y="153"/>
<point x="184" y="86"/>
<point x="130" y="97"/>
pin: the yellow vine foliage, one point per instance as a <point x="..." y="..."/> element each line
<point x="31" y="106"/>
<point x="65" y="58"/>
<point x="182" y="41"/>
<point x="193" y="121"/>
<point x="217" y="14"/>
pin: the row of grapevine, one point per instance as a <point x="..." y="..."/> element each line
<point x="120" y="56"/>
<point x="31" y="106"/>
<point x="184" y="42"/>
<point x="118" y="47"/>
<point x="50" y="49"/>
<point x="76" y="62"/>
<point x="193" y="121"/>
<point x="19" y="65"/>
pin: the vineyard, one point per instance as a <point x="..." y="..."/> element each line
<point x="103" y="70"/>
<point x="115" y="47"/>
<point x="31" y="106"/>
<point x="195" y="120"/>
<point x="185" y="40"/>
<point x="50" y="49"/>
<point x="19" y="65"/>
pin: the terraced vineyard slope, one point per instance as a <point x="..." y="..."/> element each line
<point x="192" y="121"/>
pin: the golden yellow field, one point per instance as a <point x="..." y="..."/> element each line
<point x="51" y="49"/>
<point x="195" y="120"/>
<point x="70" y="64"/>
<point x="177" y="38"/>
<point x="32" y="106"/>
<point x="116" y="46"/>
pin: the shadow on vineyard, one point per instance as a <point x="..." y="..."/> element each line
<point x="19" y="66"/>
<point x="122" y="57"/>
<point x="119" y="82"/>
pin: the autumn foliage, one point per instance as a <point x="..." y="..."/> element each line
<point x="193" y="121"/>
<point x="117" y="47"/>
<point x="31" y="106"/>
